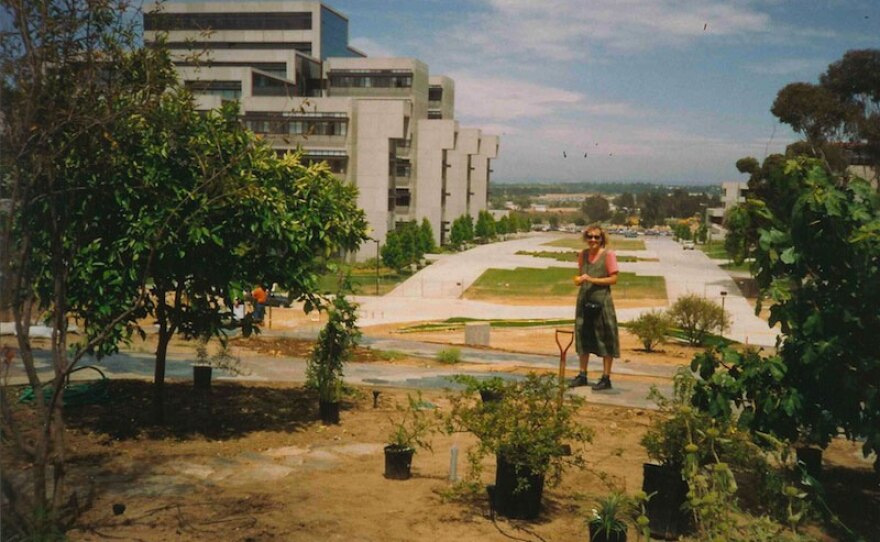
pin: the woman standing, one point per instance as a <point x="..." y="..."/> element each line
<point x="595" y="318"/>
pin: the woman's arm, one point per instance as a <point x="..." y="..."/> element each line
<point x="605" y="281"/>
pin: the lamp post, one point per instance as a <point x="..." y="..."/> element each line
<point x="723" y="314"/>
<point x="378" y="246"/>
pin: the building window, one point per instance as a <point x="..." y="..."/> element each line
<point x="434" y="114"/>
<point x="371" y="78"/>
<point x="402" y="197"/>
<point x="304" y="47"/>
<point x="263" y="85"/>
<point x="228" y="90"/>
<point x="284" y="20"/>
<point x="277" y="69"/>
<point x="435" y="94"/>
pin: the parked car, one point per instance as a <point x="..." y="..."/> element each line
<point x="274" y="300"/>
<point x="688" y="245"/>
<point x="630" y="234"/>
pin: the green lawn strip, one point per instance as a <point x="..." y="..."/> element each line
<point x="572" y="256"/>
<point x="679" y="336"/>
<point x="714" y="250"/>
<point x="557" y="281"/>
<point x="614" y="242"/>
<point x="363" y="281"/>
<point x="731" y="266"/>
<point x="452" y="324"/>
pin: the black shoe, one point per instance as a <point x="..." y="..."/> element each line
<point x="604" y="383"/>
<point x="579" y="381"/>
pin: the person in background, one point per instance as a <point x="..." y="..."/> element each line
<point x="261" y="296"/>
<point x="595" y="318"/>
<point x="237" y="310"/>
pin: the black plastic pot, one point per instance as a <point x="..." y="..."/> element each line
<point x="398" y="462"/>
<point x="812" y="460"/>
<point x="491" y="396"/>
<point x="524" y="504"/>
<point x="666" y="510"/>
<point x="597" y="534"/>
<point x="202" y="377"/>
<point x="329" y="411"/>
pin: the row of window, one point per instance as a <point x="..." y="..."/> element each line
<point x="374" y="81"/>
<point x="304" y="47"/>
<point x="228" y="90"/>
<point x="284" y="20"/>
<point x="263" y="85"/>
<point x="278" y="69"/>
<point x="297" y="127"/>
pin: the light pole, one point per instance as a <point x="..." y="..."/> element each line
<point x="378" y="245"/>
<point x="723" y="314"/>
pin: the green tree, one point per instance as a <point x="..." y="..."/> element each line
<point x="459" y="234"/>
<point x="625" y="201"/>
<point x="596" y="209"/>
<point x="502" y="227"/>
<point x="426" y="237"/>
<point x="485" y="227"/>
<point x="697" y="317"/>
<point x="394" y="253"/>
<point x="71" y="216"/>
<point x="739" y="239"/>
<point x="816" y="258"/>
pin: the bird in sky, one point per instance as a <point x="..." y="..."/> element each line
<point x="705" y="26"/>
<point x="564" y="155"/>
<point x="610" y="154"/>
<point x="585" y="155"/>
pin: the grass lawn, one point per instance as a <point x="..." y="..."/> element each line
<point x="615" y="242"/>
<point x="714" y="250"/>
<point x="557" y="281"/>
<point x="573" y="256"/>
<point x="456" y="323"/>
<point x="364" y="281"/>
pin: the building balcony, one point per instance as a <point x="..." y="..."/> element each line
<point x="402" y="148"/>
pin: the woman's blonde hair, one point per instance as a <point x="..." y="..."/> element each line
<point x="596" y="227"/>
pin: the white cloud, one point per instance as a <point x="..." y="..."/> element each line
<point x="505" y="99"/>
<point x="563" y="30"/>
<point x="372" y="47"/>
<point x="788" y="66"/>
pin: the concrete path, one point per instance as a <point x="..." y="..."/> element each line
<point x="288" y="369"/>
<point x="692" y="272"/>
<point x="434" y="292"/>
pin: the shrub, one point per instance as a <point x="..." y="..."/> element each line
<point x="697" y="317"/>
<point x="651" y="328"/>
<point x="413" y="427"/>
<point x="449" y="355"/>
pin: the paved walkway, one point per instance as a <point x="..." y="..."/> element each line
<point x="481" y="363"/>
<point x="434" y="292"/>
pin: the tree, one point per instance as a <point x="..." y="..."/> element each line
<point x="485" y="227"/>
<point x="72" y="213"/>
<point x="461" y="231"/>
<point x="596" y="209"/>
<point x="697" y="317"/>
<point x="625" y="201"/>
<point x="739" y="240"/>
<point x="502" y="227"/>
<point x="812" y="110"/>
<point x="651" y="328"/>
<point x="426" y="237"/>
<point x="394" y="252"/>
<point x="816" y="258"/>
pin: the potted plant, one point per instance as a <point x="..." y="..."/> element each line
<point x="205" y="364"/>
<point x="409" y="431"/>
<point x="667" y="442"/>
<point x="335" y="345"/>
<point x="490" y="389"/>
<point x="607" y="523"/>
<point x="527" y="431"/>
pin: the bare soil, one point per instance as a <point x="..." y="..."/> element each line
<point x="252" y="463"/>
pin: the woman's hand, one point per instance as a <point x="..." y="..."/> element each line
<point x="583" y="278"/>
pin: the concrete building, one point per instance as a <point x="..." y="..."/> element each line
<point x="385" y="124"/>
<point x="733" y="192"/>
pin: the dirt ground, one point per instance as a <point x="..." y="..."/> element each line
<point x="251" y="463"/>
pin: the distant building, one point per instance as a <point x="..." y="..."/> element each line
<point x="385" y="124"/>
<point x="732" y="193"/>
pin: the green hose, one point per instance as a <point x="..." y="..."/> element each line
<point x="77" y="394"/>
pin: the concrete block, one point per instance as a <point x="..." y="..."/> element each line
<point x="476" y="334"/>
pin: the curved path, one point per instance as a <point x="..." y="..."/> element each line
<point x="434" y="293"/>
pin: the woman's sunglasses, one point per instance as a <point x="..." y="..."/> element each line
<point x="593" y="236"/>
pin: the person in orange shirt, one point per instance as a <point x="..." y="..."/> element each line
<point x="261" y="296"/>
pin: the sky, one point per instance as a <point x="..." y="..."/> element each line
<point x="650" y="90"/>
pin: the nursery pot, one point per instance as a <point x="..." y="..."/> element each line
<point x="597" y="534"/>
<point x="329" y="411"/>
<point x="398" y="462"/>
<point x="666" y="509"/>
<point x="202" y="377"/>
<point x="491" y="396"/>
<point x="812" y="460"/>
<point x="524" y="504"/>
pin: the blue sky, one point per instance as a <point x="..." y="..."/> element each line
<point x="638" y="85"/>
